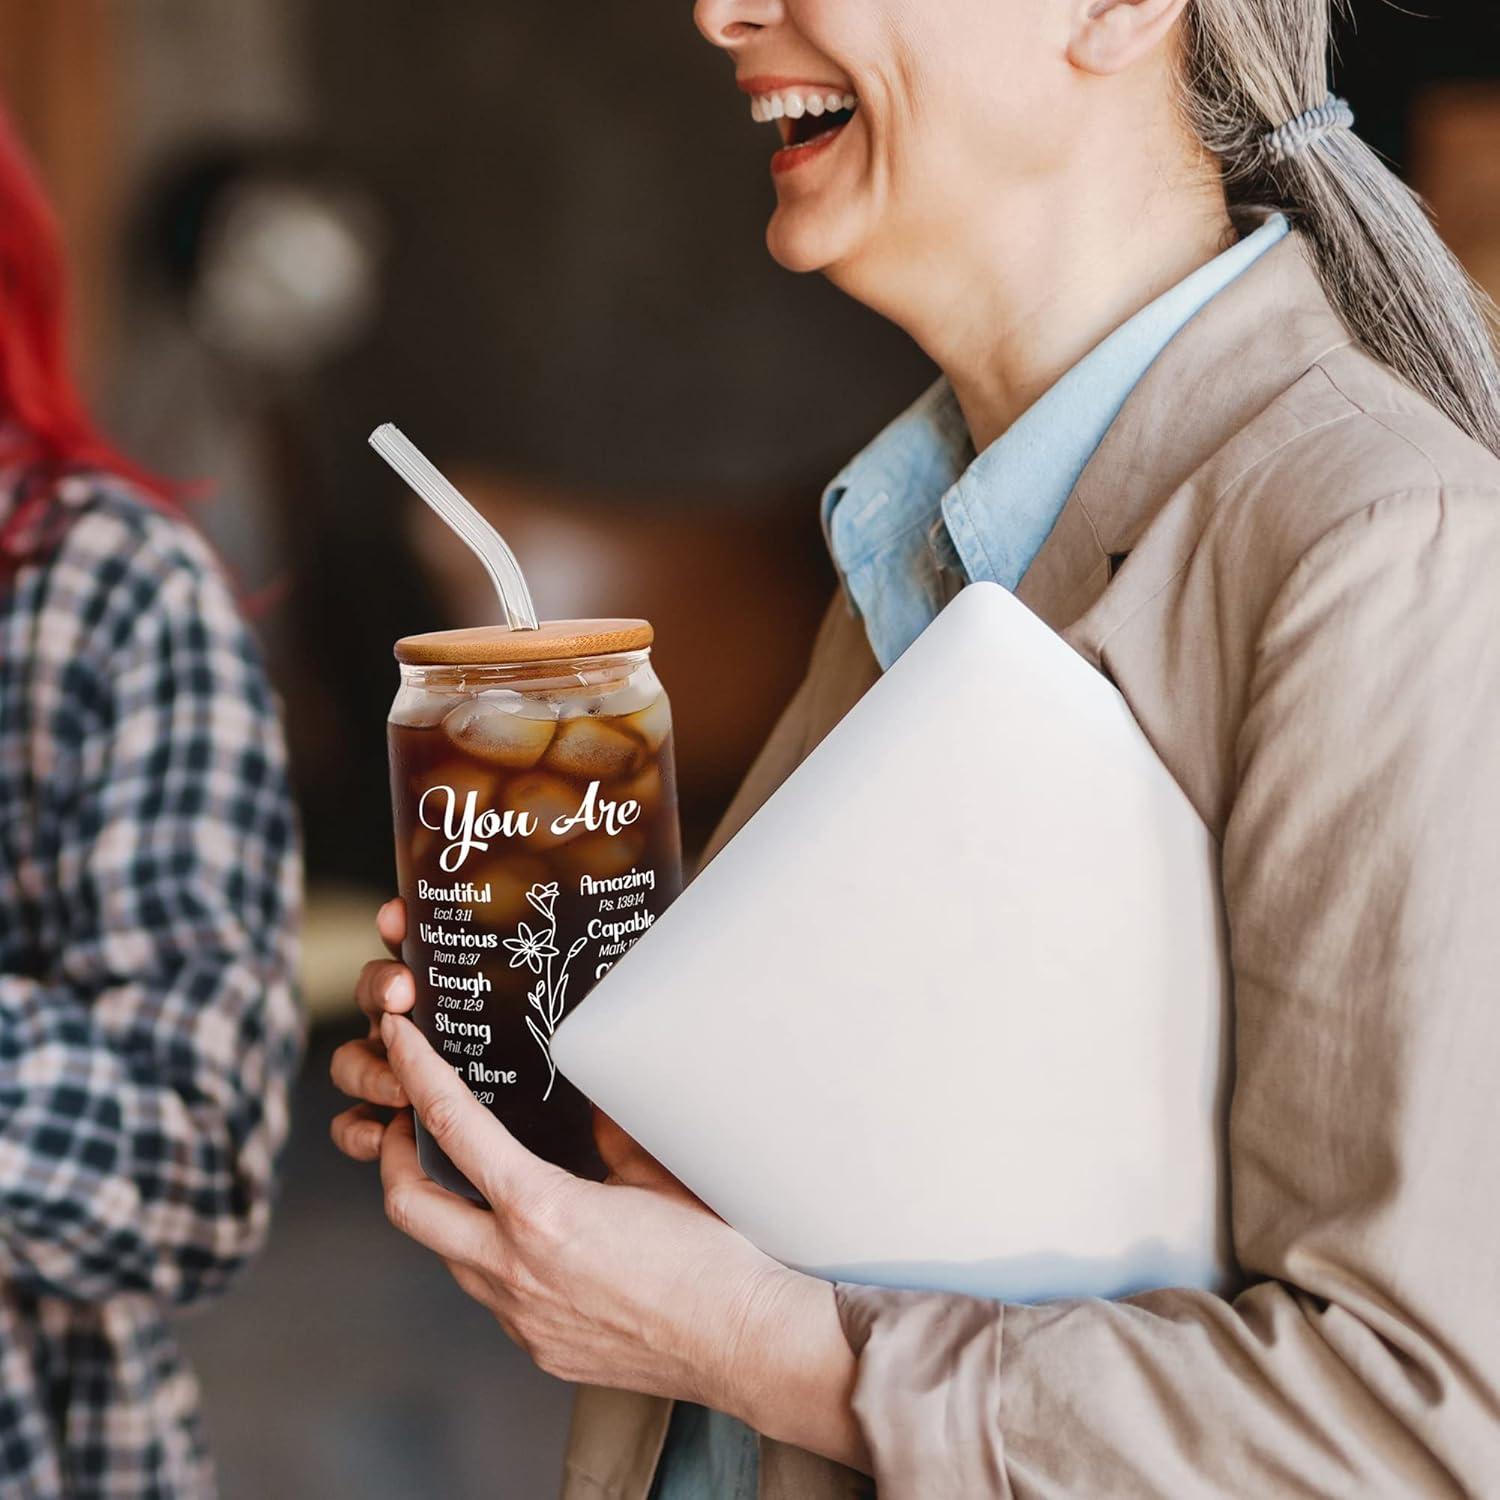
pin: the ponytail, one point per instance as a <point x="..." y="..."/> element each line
<point x="1249" y="69"/>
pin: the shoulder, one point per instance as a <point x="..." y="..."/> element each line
<point x="130" y="605"/>
<point x="1385" y="435"/>
<point x="115" y="531"/>
<point x="124" y="566"/>
<point x="1350" y="470"/>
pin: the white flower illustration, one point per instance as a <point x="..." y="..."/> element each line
<point x="530" y="948"/>
<point x="548" y="996"/>
<point x="544" y="898"/>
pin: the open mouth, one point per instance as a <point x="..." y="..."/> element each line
<point x="804" y="116"/>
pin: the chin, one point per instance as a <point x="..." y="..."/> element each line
<point x="803" y="240"/>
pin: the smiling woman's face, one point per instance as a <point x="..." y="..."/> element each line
<point x="947" y="97"/>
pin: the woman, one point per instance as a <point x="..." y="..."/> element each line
<point x="148" y="893"/>
<point x="1244" y="461"/>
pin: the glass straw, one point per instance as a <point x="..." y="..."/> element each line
<point x="466" y="523"/>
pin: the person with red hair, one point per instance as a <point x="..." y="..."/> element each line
<point x="148" y="904"/>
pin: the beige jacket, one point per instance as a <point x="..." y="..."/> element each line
<point x="1308" y="629"/>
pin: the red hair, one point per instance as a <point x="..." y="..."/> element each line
<point x="46" y="425"/>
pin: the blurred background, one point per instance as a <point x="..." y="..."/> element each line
<point x="532" y="236"/>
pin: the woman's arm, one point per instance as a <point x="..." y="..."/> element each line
<point x="792" y="1372"/>
<point x="630" y="1283"/>
<point x="145" y="1064"/>
<point x="1362" y="880"/>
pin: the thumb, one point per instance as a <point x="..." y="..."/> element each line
<point x="467" y="1133"/>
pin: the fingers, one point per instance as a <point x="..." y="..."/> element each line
<point x="358" y="1133"/>
<point x="474" y="1140"/>
<point x="444" y="1222"/>
<point x="360" y="1070"/>
<point x="390" y="923"/>
<point x="385" y="986"/>
<point x="610" y="1141"/>
<point x="625" y="1157"/>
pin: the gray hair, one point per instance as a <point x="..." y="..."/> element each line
<point x="1249" y="68"/>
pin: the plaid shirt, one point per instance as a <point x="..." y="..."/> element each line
<point x="148" y="1030"/>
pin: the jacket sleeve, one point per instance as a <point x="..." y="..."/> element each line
<point x="1361" y="867"/>
<point x="145" y="1064"/>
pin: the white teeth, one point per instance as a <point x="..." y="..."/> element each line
<point x="792" y="106"/>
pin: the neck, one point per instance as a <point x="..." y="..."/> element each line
<point x="1006" y="301"/>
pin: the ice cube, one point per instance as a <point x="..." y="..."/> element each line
<point x="652" y="723"/>
<point x="464" y="776"/>
<point x="504" y="728"/>
<point x="576" y="705"/>
<point x="628" y="695"/>
<point x="644" y="788"/>
<point x="545" y="797"/>
<point x="594" y="749"/>
<point x="423" y="847"/>
<point x="528" y="705"/>
<point x="415" y="708"/>
<point x="602" y="855"/>
<point x="607" y="693"/>
<point x="509" y="879"/>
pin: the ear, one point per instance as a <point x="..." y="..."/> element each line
<point x="1111" y="35"/>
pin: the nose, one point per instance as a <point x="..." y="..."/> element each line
<point x="731" y="23"/>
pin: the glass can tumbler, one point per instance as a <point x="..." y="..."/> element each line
<point x="537" y="837"/>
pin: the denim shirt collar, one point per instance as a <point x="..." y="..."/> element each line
<point x="917" y="513"/>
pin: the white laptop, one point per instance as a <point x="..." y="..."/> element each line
<point x="950" y="1011"/>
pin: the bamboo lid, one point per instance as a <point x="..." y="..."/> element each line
<point x="494" y="645"/>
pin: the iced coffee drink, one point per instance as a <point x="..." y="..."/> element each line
<point x="536" y="839"/>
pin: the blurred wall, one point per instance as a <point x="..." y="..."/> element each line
<point x="580" y="286"/>
<point x="60" y="76"/>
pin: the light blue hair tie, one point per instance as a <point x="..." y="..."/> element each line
<point x="1293" y="138"/>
